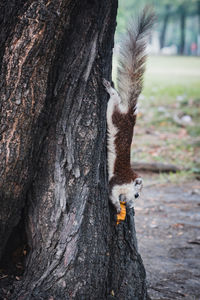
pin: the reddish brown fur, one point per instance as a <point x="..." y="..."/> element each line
<point x="123" y="173"/>
<point x="130" y="73"/>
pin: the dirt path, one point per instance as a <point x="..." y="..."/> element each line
<point x="168" y="231"/>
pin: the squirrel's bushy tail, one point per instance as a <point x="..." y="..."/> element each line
<point x="132" y="58"/>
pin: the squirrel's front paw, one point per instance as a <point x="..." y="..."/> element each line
<point x="106" y="83"/>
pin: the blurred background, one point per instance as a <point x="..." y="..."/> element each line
<point x="166" y="148"/>
<point x="168" y="125"/>
<point x="178" y="24"/>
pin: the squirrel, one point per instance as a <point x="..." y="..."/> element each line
<point x="124" y="183"/>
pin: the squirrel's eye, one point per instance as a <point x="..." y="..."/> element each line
<point x="138" y="181"/>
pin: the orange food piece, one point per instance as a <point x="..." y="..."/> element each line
<point x="122" y="215"/>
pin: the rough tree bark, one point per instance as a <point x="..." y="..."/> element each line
<point x="53" y="55"/>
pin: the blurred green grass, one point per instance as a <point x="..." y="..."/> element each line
<point x="172" y="76"/>
<point x="171" y="90"/>
<point x="173" y="83"/>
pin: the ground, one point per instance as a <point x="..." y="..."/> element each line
<point x="168" y="128"/>
<point x="167" y="223"/>
<point x="167" y="217"/>
<point x="168" y="213"/>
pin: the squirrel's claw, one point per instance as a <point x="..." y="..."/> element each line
<point x="106" y="83"/>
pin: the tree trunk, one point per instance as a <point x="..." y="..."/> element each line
<point x="198" y="14"/>
<point x="53" y="152"/>
<point x="164" y="26"/>
<point x="198" y="35"/>
<point x="182" y="29"/>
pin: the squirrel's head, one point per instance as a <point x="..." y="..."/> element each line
<point x="131" y="191"/>
<point x="127" y="192"/>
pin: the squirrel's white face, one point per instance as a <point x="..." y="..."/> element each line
<point x="126" y="192"/>
<point x="132" y="190"/>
